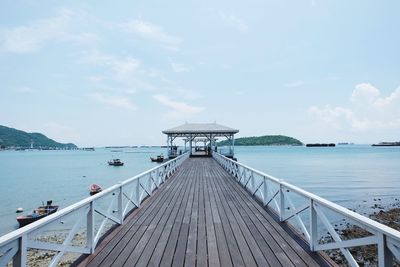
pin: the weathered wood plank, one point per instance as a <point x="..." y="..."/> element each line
<point x="223" y="250"/>
<point x="201" y="227"/>
<point x="180" y="250"/>
<point x="191" y="248"/>
<point x="120" y="238"/>
<point x="235" y="253"/>
<point x="134" y="240"/>
<point x="162" y="242"/>
<point x="212" y="248"/>
<point x="201" y="217"/>
<point x="170" y="213"/>
<point x="294" y="251"/>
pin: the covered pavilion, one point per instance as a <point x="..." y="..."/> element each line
<point x="203" y="133"/>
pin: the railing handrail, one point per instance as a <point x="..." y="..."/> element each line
<point x="379" y="227"/>
<point x="14" y="235"/>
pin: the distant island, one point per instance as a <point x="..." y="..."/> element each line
<point x="13" y="138"/>
<point x="266" y="140"/>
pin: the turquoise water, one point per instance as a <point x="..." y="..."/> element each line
<point x="28" y="178"/>
<point x="352" y="176"/>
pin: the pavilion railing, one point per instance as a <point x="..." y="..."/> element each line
<point x="282" y="197"/>
<point x="89" y="219"/>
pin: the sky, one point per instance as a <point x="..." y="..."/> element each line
<point x="100" y="73"/>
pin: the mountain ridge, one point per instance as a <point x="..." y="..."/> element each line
<point x="11" y="137"/>
<point x="265" y="140"/>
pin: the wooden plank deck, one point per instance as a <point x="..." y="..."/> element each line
<point x="201" y="217"/>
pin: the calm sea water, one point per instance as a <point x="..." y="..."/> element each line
<point x="352" y="175"/>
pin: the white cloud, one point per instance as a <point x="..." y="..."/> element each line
<point x="368" y="111"/>
<point x="114" y="101"/>
<point x="226" y="66"/>
<point x="31" y="37"/>
<point x="295" y="84"/>
<point x="178" y="67"/>
<point x="25" y="89"/>
<point x="178" y="109"/>
<point x="120" y="66"/>
<point x="119" y="72"/>
<point x="152" y="32"/>
<point x="96" y="78"/>
<point x="235" y="22"/>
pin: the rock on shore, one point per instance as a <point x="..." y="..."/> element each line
<point x="365" y="255"/>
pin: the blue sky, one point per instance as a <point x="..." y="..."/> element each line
<point x="100" y="74"/>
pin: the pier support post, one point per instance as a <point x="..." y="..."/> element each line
<point x="385" y="257"/>
<point x="120" y="211"/>
<point x="20" y="257"/>
<point x="313" y="226"/>
<point x="282" y="203"/>
<point x="90" y="228"/>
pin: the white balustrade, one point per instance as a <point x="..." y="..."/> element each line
<point x="277" y="195"/>
<point x="110" y="206"/>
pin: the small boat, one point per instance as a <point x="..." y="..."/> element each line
<point x="19" y="210"/>
<point x="39" y="213"/>
<point x="159" y="158"/>
<point x="94" y="189"/>
<point x="115" y="162"/>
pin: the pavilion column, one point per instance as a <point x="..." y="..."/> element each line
<point x="190" y="145"/>
<point x="168" y="151"/>
<point x="233" y="145"/>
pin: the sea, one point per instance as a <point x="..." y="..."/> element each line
<point x="358" y="177"/>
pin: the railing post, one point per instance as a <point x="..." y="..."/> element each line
<point x="158" y="177"/>
<point x="252" y="183"/>
<point x="282" y="203"/>
<point x="385" y="257"/>
<point x="90" y="228"/>
<point x="20" y="257"/>
<point x="313" y="226"/>
<point x="138" y="193"/>
<point x="265" y="191"/>
<point x="120" y="204"/>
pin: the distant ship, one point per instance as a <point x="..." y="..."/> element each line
<point x="387" y="144"/>
<point x="320" y="145"/>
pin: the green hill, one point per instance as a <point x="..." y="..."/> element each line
<point x="10" y="137"/>
<point x="266" y="140"/>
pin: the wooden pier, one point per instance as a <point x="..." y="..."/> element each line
<point x="202" y="217"/>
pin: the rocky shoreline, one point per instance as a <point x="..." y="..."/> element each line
<point x="39" y="258"/>
<point x="365" y="255"/>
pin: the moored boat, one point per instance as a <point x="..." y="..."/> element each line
<point x="159" y="158"/>
<point x="115" y="162"/>
<point x="39" y="213"/>
<point x="94" y="189"/>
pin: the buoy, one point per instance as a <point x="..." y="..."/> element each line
<point x="19" y="210"/>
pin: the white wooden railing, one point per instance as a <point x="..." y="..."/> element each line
<point x="90" y="217"/>
<point x="279" y="196"/>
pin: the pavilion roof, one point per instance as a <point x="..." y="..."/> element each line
<point x="201" y="128"/>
